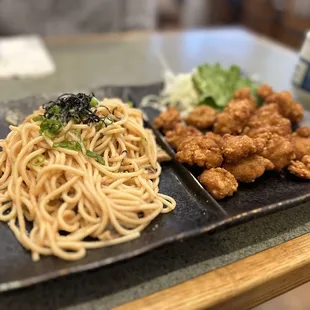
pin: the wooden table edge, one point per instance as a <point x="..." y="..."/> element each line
<point x="240" y="285"/>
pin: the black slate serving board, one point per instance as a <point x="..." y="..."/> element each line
<point x="196" y="210"/>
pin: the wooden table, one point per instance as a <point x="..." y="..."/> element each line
<point x="251" y="263"/>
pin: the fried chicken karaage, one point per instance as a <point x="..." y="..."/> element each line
<point x="245" y="93"/>
<point x="200" y="151"/>
<point x="248" y="169"/>
<point x="218" y="139"/>
<point x="235" y="148"/>
<point x="180" y="133"/>
<point x="301" y="142"/>
<point x="234" y="117"/>
<point x="219" y="182"/>
<point x="168" y="119"/>
<point x="201" y="117"/>
<point x="287" y="106"/>
<point x="301" y="168"/>
<point x="267" y="119"/>
<point x="279" y="150"/>
<point x="264" y="91"/>
<point x="245" y="142"/>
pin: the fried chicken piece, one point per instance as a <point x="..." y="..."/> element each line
<point x="176" y="136"/>
<point x="301" y="168"/>
<point x="264" y="91"/>
<point x="201" y="117"/>
<point x="234" y="117"/>
<point x="303" y="131"/>
<point x="287" y="106"/>
<point x="250" y="168"/>
<point x="215" y="137"/>
<point x="279" y="150"/>
<point x="301" y="142"/>
<point x="201" y="151"/>
<point x="267" y="119"/>
<point x="219" y="182"/>
<point x="245" y="93"/>
<point x="236" y="147"/>
<point x="168" y="119"/>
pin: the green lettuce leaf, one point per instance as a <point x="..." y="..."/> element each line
<point x="216" y="85"/>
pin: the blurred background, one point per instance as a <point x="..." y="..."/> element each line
<point x="282" y="20"/>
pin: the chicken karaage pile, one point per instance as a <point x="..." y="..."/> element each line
<point x="246" y="140"/>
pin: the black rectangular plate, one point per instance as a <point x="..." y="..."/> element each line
<point x="196" y="210"/>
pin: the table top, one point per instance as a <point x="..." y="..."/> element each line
<point x="132" y="59"/>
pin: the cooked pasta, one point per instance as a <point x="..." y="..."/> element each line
<point x="81" y="183"/>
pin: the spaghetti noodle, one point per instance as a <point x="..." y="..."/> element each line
<point x="88" y="186"/>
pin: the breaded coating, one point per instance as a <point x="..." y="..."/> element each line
<point x="245" y="93"/>
<point x="287" y="106"/>
<point x="301" y="142"/>
<point x="176" y="136"/>
<point x="301" y="168"/>
<point x="279" y="150"/>
<point x="168" y="119"/>
<point x="236" y="147"/>
<point x="249" y="169"/>
<point x="234" y="117"/>
<point x="264" y="91"/>
<point x="267" y="119"/>
<point x="201" y="117"/>
<point x="218" y="139"/>
<point x="219" y="182"/>
<point x="201" y="151"/>
<point x="303" y="131"/>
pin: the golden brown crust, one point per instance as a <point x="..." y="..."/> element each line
<point x="218" y="139"/>
<point x="279" y="150"/>
<point x="219" y="182"/>
<point x="234" y="117"/>
<point x="249" y="169"/>
<point x="200" y="151"/>
<point x="303" y="131"/>
<point x="201" y="117"/>
<point x="168" y="119"/>
<point x="301" y="168"/>
<point x="235" y="148"/>
<point x="264" y="91"/>
<point x="267" y="119"/>
<point x="180" y="133"/>
<point x="245" y="93"/>
<point x="301" y="146"/>
<point x="287" y="106"/>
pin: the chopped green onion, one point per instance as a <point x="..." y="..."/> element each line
<point x="94" y="102"/>
<point x="38" y="118"/>
<point x="50" y="127"/>
<point x="130" y="103"/>
<point x="70" y="145"/>
<point x="98" y="157"/>
<point x="55" y="109"/>
<point x="38" y="160"/>
<point x="110" y="120"/>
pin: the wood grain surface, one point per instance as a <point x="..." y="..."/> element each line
<point x="241" y="285"/>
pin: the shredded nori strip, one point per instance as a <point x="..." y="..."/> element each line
<point x="74" y="107"/>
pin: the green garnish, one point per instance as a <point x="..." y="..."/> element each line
<point x="50" y="127"/>
<point x="38" y="160"/>
<point x="95" y="155"/>
<point x="94" y="102"/>
<point x="216" y="86"/>
<point x="130" y="103"/>
<point x="38" y="118"/>
<point x="70" y="145"/>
